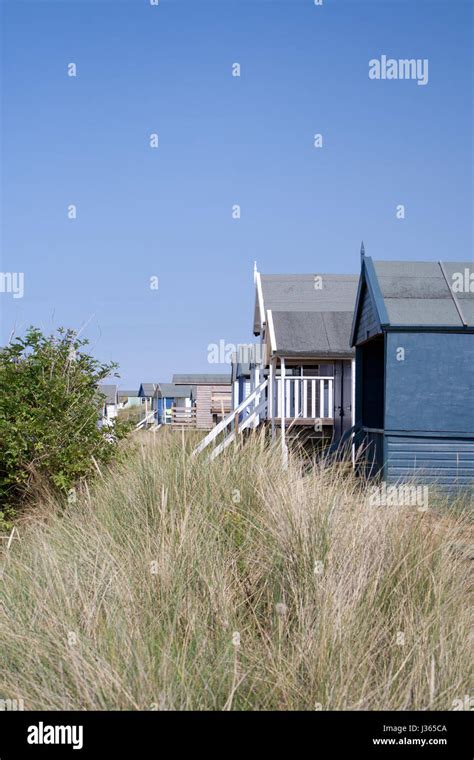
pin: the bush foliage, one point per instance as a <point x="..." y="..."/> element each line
<point x="49" y="407"/>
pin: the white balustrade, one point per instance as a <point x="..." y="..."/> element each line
<point x="305" y="397"/>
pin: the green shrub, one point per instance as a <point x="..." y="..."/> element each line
<point x="49" y="408"/>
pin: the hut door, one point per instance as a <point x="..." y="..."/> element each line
<point x="342" y="398"/>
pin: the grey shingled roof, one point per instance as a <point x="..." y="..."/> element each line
<point x="110" y="393"/>
<point x="170" y="390"/>
<point x="147" y="389"/>
<point x="416" y="293"/>
<point x="297" y="292"/>
<point x="197" y="379"/>
<point x="317" y="334"/>
<point x="127" y="394"/>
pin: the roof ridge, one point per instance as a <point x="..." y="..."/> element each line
<point x="455" y="300"/>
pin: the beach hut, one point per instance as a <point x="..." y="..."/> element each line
<point x="146" y="394"/>
<point x="109" y="403"/>
<point x="299" y="379"/>
<point x="127" y="399"/>
<point x="413" y="331"/>
<point x="304" y="323"/>
<point x="212" y="396"/>
<point x="174" y="405"/>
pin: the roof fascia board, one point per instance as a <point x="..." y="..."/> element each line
<point x="369" y="279"/>
<point x="316" y="357"/>
<point x="261" y="305"/>
<point x="376" y="293"/>
<point x="271" y="331"/>
<point x="356" y="307"/>
<point x="431" y="328"/>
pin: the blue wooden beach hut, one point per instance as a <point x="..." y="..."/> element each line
<point x="413" y="330"/>
<point x="173" y="404"/>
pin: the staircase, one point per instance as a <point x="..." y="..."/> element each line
<point x="231" y="425"/>
<point x="144" y="422"/>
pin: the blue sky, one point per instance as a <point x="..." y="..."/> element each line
<point x="223" y="140"/>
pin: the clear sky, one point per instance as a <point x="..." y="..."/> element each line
<point x="223" y="140"/>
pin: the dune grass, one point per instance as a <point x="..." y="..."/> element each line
<point x="173" y="583"/>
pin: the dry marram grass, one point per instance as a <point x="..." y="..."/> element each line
<point x="181" y="584"/>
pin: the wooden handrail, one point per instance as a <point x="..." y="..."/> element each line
<point x="232" y="436"/>
<point x="230" y="418"/>
<point x="183" y="414"/>
<point x="145" y="419"/>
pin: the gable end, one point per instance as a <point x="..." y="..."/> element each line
<point x="367" y="322"/>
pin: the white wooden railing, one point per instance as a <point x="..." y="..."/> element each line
<point x="147" y="420"/>
<point x="254" y="407"/>
<point x="305" y="397"/>
<point x="183" y="416"/>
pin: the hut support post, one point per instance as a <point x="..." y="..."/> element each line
<point x="284" y="448"/>
<point x="353" y="405"/>
<point x="257" y="398"/>
<point x="271" y="395"/>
